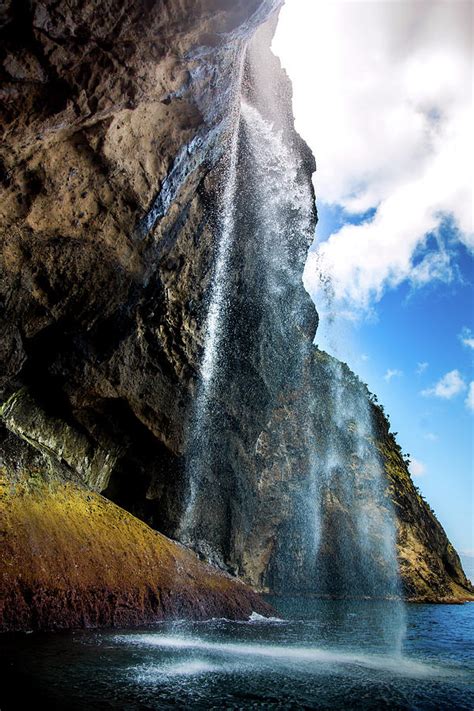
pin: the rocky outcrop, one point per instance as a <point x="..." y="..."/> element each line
<point x="111" y="165"/>
<point x="87" y="461"/>
<point x="70" y="558"/>
<point x="114" y="120"/>
<point x="430" y="568"/>
<point x="115" y="124"/>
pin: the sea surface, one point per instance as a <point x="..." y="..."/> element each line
<point x="314" y="655"/>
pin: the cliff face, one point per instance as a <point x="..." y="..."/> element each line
<point x="429" y="565"/>
<point x="116" y="121"/>
<point x="430" y="568"/>
<point x="110" y="165"/>
<point x="112" y="116"/>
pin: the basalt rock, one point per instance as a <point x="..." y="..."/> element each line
<point x="115" y="122"/>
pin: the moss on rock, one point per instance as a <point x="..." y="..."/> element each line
<point x="71" y="558"/>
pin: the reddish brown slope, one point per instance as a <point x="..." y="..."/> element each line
<point x="70" y="558"/>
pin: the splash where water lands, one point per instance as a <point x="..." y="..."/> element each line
<point x="319" y="654"/>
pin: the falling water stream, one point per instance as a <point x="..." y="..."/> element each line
<point x="351" y="472"/>
<point x="262" y="221"/>
<point x="355" y="524"/>
<point x="345" y="522"/>
<point x="201" y="428"/>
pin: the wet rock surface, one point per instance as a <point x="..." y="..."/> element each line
<point x="71" y="558"/>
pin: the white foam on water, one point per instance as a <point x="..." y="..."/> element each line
<point x="192" y="667"/>
<point x="255" y="617"/>
<point x="287" y="655"/>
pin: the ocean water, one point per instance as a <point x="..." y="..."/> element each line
<point x="315" y="655"/>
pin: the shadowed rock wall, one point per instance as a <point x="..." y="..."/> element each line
<point x="114" y="115"/>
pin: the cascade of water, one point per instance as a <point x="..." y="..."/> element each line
<point x="281" y="205"/>
<point x="352" y="472"/>
<point x="266" y="211"/>
<point x="343" y="520"/>
<point x="284" y="202"/>
<point x="342" y="526"/>
<point x="201" y="429"/>
<point x="356" y="533"/>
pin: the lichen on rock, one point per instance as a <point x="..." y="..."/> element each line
<point x="70" y="558"/>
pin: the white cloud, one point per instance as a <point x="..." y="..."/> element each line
<point x="417" y="468"/>
<point x="447" y="387"/>
<point x="382" y="94"/>
<point x="421" y="367"/>
<point x="470" y="396"/>
<point x="364" y="357"/>
<point x="431" y="437"/>
<point x="467" y="337"/>
<point x="392" y="373"/>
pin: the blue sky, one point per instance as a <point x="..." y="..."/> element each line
<point x="411" y="339"/>
<point x="383" y="96"/>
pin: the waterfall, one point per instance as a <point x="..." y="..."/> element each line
<point x="344" y="518"/>
<point x="336" y="537"/>
<point x="284" y="205"/>
<point x="356" y="544"/>
<point x="265" y="222"/>
<point x="350" y="491"/>
<point x="202" y="429"/>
